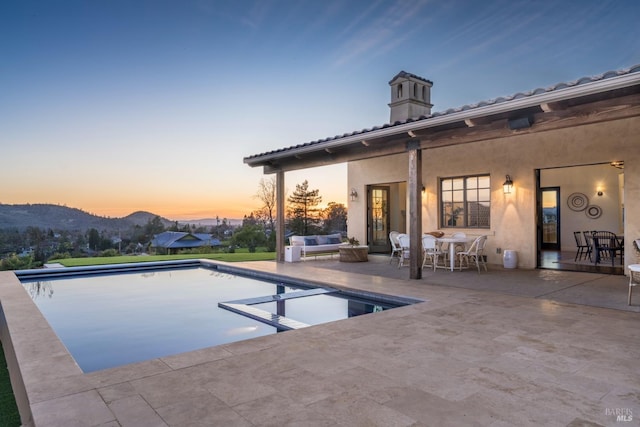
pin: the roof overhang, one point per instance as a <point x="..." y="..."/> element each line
<point x="601" y="100"/>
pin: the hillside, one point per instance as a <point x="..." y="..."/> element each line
<point x="58" y="217"/>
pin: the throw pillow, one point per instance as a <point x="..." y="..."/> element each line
<point x="334" y="241"/>
<point x="310" y="241"/>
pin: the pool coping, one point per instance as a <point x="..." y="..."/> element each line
<point x="32" y="347"/>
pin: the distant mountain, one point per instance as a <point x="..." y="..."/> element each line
<point x="142" y="218"/>
<point x="58" y="217"/>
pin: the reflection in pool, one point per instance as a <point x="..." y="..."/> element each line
<point x="108" y="320"/>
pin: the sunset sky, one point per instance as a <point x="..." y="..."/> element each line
<point x="125" y="105"/>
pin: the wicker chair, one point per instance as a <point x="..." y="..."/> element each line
<point x="474" y="253"/>
<point x="396" y="249"/>
<point x="431" y="251"/>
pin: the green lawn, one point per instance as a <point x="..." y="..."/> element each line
<point x="232" y="257"/>
<point x="9" y="416"/>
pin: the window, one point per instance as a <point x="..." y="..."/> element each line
<point x="465" y="202"/>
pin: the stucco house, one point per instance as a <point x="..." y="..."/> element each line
<point x="573" y="146"/>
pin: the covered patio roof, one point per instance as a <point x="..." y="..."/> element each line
<point x="586" y="100"/>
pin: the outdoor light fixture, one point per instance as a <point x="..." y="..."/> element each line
<point x="508" y="185"/>
<point x="599" y="191"/>
<point x="353" y="194"/>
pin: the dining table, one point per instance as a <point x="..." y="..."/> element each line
<point x="452" y="246"/>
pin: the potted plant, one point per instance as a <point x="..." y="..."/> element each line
<point x="353" y="252"/>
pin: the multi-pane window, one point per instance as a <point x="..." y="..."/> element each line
<point x="465" y="202"/>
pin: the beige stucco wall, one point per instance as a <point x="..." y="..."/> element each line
<point x="513" y="216"/>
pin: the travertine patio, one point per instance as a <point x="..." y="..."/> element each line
<point x="508" y="347"/>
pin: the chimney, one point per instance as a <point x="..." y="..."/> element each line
<point x="410" y="97"/>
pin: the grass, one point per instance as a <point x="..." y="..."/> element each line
<point x="9" y="415"/>
<point x="229" y="257"/>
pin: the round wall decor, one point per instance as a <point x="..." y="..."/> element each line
<point x="577" y="202"/>
<point x="594" y="211"/>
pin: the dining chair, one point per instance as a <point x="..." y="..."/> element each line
<point x="396" y="249"/>
<point x="588" y="239"/>
<point x="474" y="253"/>
<point x="460" y="246"/>
<point x="431" y="251"/>
<point x="581" y="245"/>
<point x="606" y="243"/>
<point x="404" y="242"/>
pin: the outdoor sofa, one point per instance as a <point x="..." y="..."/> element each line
<point x="317" y="244"/>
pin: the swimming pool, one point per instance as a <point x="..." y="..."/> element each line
<point x="112" y="316"/>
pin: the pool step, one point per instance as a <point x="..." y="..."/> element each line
<point x="243" y="307"/>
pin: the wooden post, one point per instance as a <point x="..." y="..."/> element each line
<point x="280" y="225"/>
<point x="415" y="209"/>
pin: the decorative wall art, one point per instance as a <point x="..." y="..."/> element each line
<point x="577" y="202"/>
<point x="594" y="211"/>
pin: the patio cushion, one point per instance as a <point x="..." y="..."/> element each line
<point x="310" y="241"/>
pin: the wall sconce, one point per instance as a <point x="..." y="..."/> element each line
<point x="508" y="185"/>
<point x="599" y="191"/>
<point x="423" y="189"/>
<point x="353" y="194"/>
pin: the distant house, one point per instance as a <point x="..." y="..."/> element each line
<point x="176" y="240"/>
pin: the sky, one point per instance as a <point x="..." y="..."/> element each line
<point x="119" y="106"/>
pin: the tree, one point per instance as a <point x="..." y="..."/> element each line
<point x="249" y="236"/>
<point x="94" y="239"/>
<point x="335" y="218"/>
<point x="267" y="195"/>
<point x="303" y="213"/>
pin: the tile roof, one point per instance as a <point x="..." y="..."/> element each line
<point x="176" y="239"/>
<point x="409" y="75"/>
<point x="467" y="107"/>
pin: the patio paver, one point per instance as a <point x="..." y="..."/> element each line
<point x="529" y="350"/>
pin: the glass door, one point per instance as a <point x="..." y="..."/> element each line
<point x="378" y="219"/>
<point x="550" y="218"/>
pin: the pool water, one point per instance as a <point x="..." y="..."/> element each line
<point x="109" y="320"/>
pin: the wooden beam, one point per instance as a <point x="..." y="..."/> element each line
<point x="415" y="213"/>
<point x="280" y="226"/>
<point x="601" y="111"/>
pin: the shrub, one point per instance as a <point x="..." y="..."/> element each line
<point x="60" y="255"/>
<point x="15" y="262"/>
<point x="109" y="252"/>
